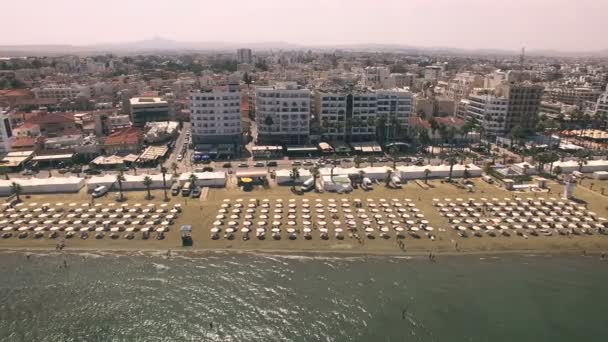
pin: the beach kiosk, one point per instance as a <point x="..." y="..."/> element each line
<point x="186" y="233"/>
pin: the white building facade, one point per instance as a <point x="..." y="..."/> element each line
<point x="394" y="108"/>
<point x="489" y="112"/>
<point x="6" y="134"/>
<point x="215" y="114"/>
<point x="283" y="114"/>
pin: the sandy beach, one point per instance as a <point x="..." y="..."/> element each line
<point x="201" y="213"/>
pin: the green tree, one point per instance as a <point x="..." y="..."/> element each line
<point x="427" y="172"/>
<point x="119" y="179"/>
<point x="314" y="172"/>
<point x="371" y="160"/>
<point x="294" y="175"/>
<point x="387" y="178"/>
<point x="163" y="171"/>
<point x="451" y="160"/>
<point x="16" y="190"/>
<point x="357" y="161"/>
<point x="147" y="183"/>
<point x="557" y="171"/>
<point x="192" y="179"/>
<point x="393" y="151"/>
<point x="174" y="167"/>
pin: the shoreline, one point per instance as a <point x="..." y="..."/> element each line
<point x="305" y="253"/>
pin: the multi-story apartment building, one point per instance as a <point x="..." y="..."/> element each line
<point x="346" y="114"/>
<point x="394" y="108"/>
<point x="6" y="133"/>
<point x="215" y="114"/>
<point x="524" y="104"/>
<point x="432" y="72"/>
<point x="356" y="114"/>
<point x="58" y="93"/>
<point x="282" y="114"/>
<point x="488" y="111"/>
<point x="244" y="56"/>
<point x="601" y="107"/>
<point x="147" y="109"/>
<point x="573" y="96"/>
<point x="376" y="76"/>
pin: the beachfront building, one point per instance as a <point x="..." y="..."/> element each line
<point x="393" y="111"/>
<point x="6" y="134"/>
<point x="523" y="104"/>
<point x="601" y="108"/>
<point x="346" y="114"/>
<point x="146" y="109"/>
<point x="488" y="111"/>
<point x="215" y="114"/>
<point x="283" y="114"/>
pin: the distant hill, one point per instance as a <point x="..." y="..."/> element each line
<point x="158" y="45"/>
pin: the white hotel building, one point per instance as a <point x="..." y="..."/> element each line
<point x="354" y="114"/>
<point x="215" y="114"/>
<point x="282" y="114"/>
<point x="488" y="111"/>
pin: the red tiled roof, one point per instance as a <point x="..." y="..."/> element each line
<point x="15" y="92"/>
<point x="52" y="118"/>
<point x="27" y="125"/>
<point x="450" y="121"/>
<point x="418" y="122"/>
<point x="127" y="136"/>
<point x="23" y="142"/>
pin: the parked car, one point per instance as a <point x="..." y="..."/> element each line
<point x="186" y="189"/>
<point x="207" y="169"/>
<point x="243" y="165"/>
<point x="175" y="189"/>
<point x="296" y="163"/>
<point x="258" y="164"/>
<point x="63" y="171"/>
<point x="227" y="165"/>
<point x="100" y="191"/>
<point x="271" y="163"/>
<point x="27" y="172"/>
<point x="196" y="192"/>
<point x="308" y="163"/>
<point x="405" y="159"/>
<point x="76" y="169"/>
<point x="180" y="157"/>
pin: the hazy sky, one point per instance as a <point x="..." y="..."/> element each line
<point x="537" y="24"/>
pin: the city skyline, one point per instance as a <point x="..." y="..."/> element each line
<point x="469" y="24"/>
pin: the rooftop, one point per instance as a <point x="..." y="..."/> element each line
<point x="146" y="100"/>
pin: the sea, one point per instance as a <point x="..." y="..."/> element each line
<point x="262" y="297"/>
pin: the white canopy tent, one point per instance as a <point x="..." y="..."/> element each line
<point x="214" y="179"/>
<point x="43" y="185"/>
<point x="284" y="176"/>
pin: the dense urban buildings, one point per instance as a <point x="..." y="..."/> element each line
<point x="244" y="56"/>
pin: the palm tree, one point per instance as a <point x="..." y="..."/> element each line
<point x="392" y="151"/>
<point x="147" y="183"/>
<point x="387" y="179"/>
<point x="119" y="179"/>
<point x="295" y="174"/>
<point x="174" y="167"/>
<point x="452" y="160"/>
<point x="192" y="179"/>
<point x="557" y="171"/>
<point x="371" y="161"/>
<point x="465" y="174"/>
<point x="581" y="162"/>
<point x="427" y="172"/>
<point x="163" y="170"/>
<point x="4" y="171"/>
<point x="357" y="161"/>
<point x="16" y="190"/>
<point x="314" y="171"/>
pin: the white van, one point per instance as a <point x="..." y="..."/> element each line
<point x="100" y="191"/>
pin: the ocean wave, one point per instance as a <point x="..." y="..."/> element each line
<point x="160" y="267"/>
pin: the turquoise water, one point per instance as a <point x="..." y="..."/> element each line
<point x="279" y="298"/>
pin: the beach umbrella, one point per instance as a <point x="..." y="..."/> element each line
<point x="213" y="230"/>
<point x="307" y="230"/>
<point x="245" y="230"/>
